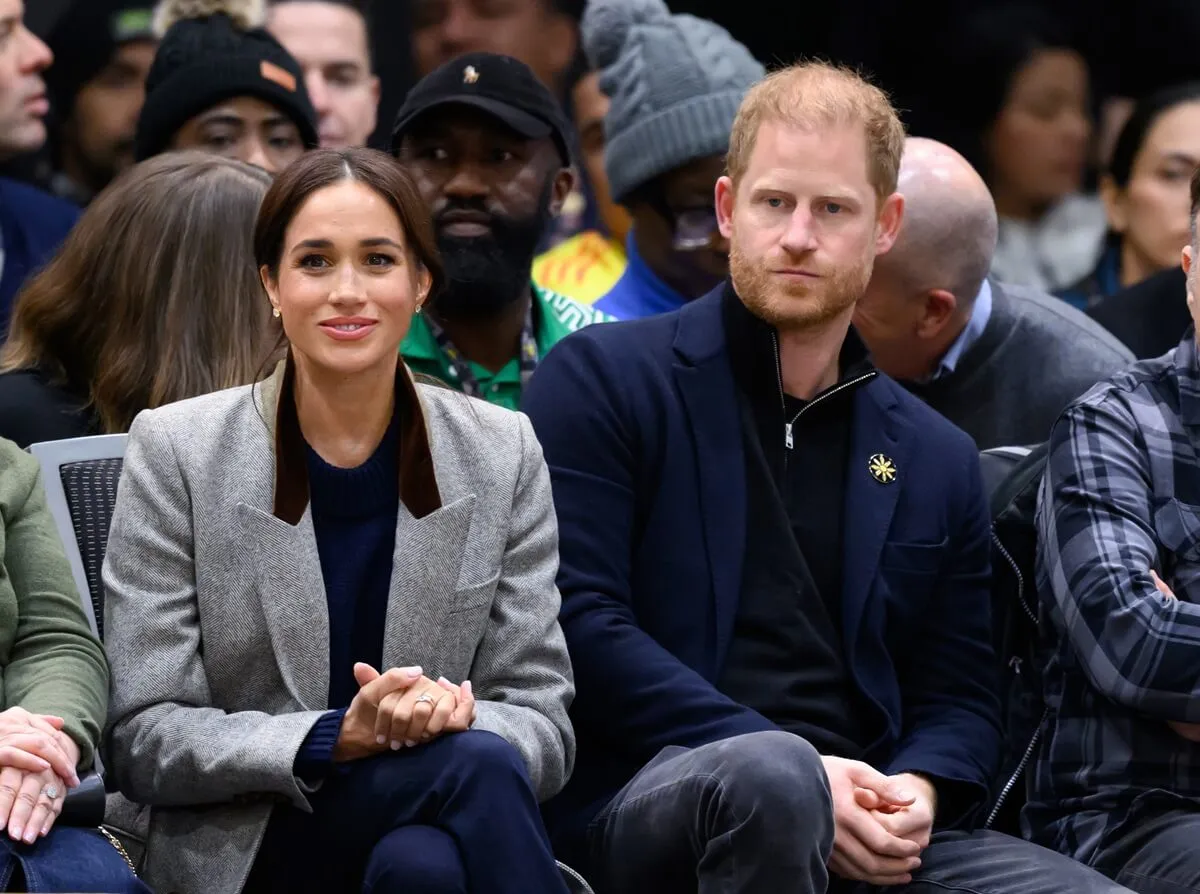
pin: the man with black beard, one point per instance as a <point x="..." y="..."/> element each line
<point x="487" y="145"/>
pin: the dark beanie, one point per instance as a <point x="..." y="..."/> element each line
<point x="206" y="60"/>
<point x="86" y="39"/>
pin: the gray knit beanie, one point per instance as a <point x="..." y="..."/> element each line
<point x="675" y="82"/>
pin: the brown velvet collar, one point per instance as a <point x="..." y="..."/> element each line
<point x="418" y="482"/>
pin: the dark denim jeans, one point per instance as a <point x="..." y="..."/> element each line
<point x="752" y="815"/>
<point x="68" y="859"/>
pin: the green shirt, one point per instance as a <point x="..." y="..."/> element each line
<point x="554" y="318"/>
<point x="50" y="661"/>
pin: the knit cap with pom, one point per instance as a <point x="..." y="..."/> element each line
<point x="213" y="51"/>
<point x="674" y="81"/>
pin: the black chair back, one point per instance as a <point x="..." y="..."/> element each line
<point x="91" y="490"/>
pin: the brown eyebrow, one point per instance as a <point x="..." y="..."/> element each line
<point x="1182" y="157"/>
<point x="365" y="243"/>
<point x="229" y="119"/>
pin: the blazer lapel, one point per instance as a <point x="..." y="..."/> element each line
<point x="425" y="576"/>
<point x="288" y="569"/>
<point x="882" y="438"/>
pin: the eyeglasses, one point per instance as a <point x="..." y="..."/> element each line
<point x="692" y="228"/>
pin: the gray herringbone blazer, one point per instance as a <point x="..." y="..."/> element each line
<point x="217" y="625"/>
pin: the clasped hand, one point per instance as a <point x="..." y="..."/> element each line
<point x="401" y="708"/>
<point x="37" y="760"/>
<point x="882" y="823"/>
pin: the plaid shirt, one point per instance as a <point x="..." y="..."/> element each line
<point x="1121" y="497"/>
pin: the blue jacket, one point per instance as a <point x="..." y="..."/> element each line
<point x="33" y="225"/>
<point x="639" y="292"/>
<point x="640" y="428"/>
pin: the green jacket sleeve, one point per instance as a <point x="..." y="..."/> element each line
<point x="56" y="665"/>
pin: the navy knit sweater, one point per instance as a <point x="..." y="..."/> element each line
<point x="354" y="515"/>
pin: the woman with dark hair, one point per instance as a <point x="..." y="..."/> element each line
<point x="1015" y="102"/>
<point x="152" y="298"/>
<point x="331" y="595"/>
<point x="1146" y="193"/>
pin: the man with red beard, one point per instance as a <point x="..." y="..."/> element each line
<point x="774" y="560"/>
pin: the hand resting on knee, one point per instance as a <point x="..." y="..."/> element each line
<point x="37" y="760"/>
<point x="880" y="823"/>
<point x="401" y="708"/>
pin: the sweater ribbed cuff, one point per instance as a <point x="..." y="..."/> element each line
<point x="315" y="757"/>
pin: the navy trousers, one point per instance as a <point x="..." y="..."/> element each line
<point x="452" y="816"/>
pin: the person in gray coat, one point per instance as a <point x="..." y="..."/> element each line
<point x="999" y="361"/>
<point x="331" y="608"/>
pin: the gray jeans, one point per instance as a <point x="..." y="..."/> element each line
<point x="752" y="815"/>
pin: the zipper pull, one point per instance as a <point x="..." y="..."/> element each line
<point x="787" y="435"/>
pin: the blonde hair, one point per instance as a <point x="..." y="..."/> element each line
<point x="808" y="94"/>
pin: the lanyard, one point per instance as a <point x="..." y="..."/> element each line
<point x="461" y="368"/>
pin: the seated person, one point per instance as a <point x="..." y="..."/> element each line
<point x="222" y="84"/>
<point x="1114" y="783"/>
<point x="122" y="319"/>
<point x="1145" y="192"/>
<point x="331" y="605"/>
<point x="775" y="559"/>
<point x="587" y="265"/>
<point x="331" y="41"/>
<point x="674" y="84"/>
<point x="488" y="147"/>
<point x="55" y="697"/>
<point x="32" y="223"/>
<point x="986" y="355"/>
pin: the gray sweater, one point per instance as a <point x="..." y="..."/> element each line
<point x="1036" y="355"/>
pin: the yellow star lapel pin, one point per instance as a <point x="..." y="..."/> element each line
<point x="882" y="468"/>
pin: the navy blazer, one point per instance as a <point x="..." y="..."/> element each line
<point x="33" y="225"/>
<point x="640" y="427"/>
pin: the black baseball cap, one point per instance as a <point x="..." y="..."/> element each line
<point x="503" y="87"/>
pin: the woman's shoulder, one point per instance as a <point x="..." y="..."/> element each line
<point x="478" y="417"/>
<point x="18" y="472"/>
<point x="13" y="458"/>
<point x="482" y="441"/>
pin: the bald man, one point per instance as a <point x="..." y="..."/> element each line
<point x="999" y="361"/>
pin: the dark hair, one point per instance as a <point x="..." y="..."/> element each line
<point x="579" y="69"/>
<point x="154" y="296"/>
<point x="986" y="49"/>
<point x="572" y="9"/>
<point x="1133" y="135"/>
<point x="321" y="168"/>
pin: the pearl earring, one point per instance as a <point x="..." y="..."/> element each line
<point x="275" y="312"/>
